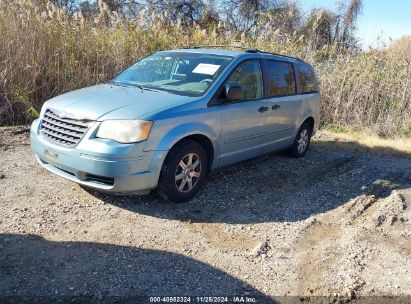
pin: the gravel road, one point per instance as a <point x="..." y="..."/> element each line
<point x="336" y="223"/>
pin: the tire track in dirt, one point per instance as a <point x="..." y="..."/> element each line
<point x="337" y="251"/>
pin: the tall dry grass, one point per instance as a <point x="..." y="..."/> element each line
<point x="369" y="90"/>
<point x="44" y="53"/>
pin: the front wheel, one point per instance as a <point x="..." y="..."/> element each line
<point x="184" y="171"/>
<point x="301" y="141"/>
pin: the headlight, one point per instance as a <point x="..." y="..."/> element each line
<point x="125" y="131"/>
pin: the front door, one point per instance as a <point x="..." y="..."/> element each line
<point x="245" y="122"/>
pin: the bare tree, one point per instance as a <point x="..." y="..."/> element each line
<point x="70" y="6"/>
<point x="350" y="17"/>
<point x="88" y="9"/>
<point x="320" y="28"/>
<point x="210" y="17"/>
<point x="245" y="15"/>
<point x="187" y="11"/>
<point x="284" y="19"/>
<point x="324" y="27"/>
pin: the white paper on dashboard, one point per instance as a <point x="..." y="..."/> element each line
<point x="206" y="68"/>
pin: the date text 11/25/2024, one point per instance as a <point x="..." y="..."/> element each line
<point x="204" y="299"/>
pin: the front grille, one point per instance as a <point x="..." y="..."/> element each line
<point x="63" y="131"/>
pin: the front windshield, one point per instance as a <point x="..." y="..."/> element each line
<point x="182" y="73"/>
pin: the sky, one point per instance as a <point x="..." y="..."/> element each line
<point x="382" y="19"/>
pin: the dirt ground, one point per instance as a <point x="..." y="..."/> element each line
<point x="335" y="224"/>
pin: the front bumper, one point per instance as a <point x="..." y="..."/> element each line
<point x="100" y="163"/>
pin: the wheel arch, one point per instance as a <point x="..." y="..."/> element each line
<point x="203" y="141"/>
<point x="311" y="121"/>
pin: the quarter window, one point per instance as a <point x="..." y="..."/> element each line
<point x="308" y="82"/>
<point x="249" y="75"/>
<point x="280" y="78"/>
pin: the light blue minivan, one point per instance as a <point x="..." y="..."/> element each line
<point x="173" y="116"/>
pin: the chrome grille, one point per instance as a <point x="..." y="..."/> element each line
<point x="63" y="131"/>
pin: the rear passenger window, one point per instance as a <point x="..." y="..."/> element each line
<point x="280" y="78"/>
<point x="308" y="82"/>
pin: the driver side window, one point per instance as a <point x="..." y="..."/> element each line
<point x="249" y="75"/>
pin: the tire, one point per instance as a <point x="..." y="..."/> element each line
<point x="179" y="183"/>
<point x="301" y="141"/>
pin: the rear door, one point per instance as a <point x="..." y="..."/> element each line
<point x="284" y="103"/>
<point x="244" y="125"/>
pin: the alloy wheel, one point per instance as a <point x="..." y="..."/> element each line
<point x="303" y="141"/>
<point x="188" y="172"/>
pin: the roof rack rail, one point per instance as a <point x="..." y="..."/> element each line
<point x="276" y="54"/>
<point x="246" y="49"/>
<point x="253" y="51"/>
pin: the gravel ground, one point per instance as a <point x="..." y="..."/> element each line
<point x="336" y="224"/>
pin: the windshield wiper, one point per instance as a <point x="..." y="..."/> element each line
<point x="116" y="83"/>
<point x="141" y="87"/>
<point x="148" y="88"/>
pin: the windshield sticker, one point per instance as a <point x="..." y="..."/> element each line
<point x="205" y="68"/>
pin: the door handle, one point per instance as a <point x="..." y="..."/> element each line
<point x="263" y="109"/>
<point x="275" y="107"/>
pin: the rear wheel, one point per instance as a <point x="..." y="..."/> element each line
<point x="184" y="171"/>
<point x="301" y="141"/>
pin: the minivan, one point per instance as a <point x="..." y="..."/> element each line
<point x="169" y="119"/>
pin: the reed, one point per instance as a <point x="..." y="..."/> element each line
<point x="44" y="52"/>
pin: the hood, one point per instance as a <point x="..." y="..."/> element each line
<point x="109" y="101"/>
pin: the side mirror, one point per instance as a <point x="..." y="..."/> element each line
<point x="233" y="91"/>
